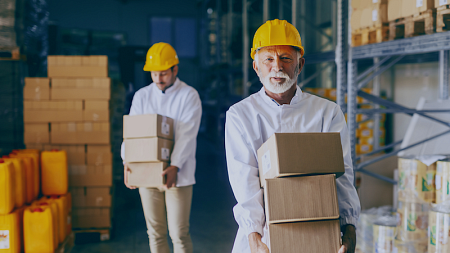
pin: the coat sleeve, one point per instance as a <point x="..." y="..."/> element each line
<point x="349" y="204"/>
<point x="136" y="109"/>
<point x="186" y="130"/>
<point x="243" y="174"/>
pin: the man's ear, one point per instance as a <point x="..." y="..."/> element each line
<point x="175" y="70"/>
<point x="255" y="67"/>
<point x="301" y="63"/>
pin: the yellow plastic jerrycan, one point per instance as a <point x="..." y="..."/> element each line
<point x="7" y="189"/>
<point x="38" y="230"/>
<point x="35" y="165"/>
<point x="20" y="182"/>
<point x="54" y="172"/>
<point x="11" y="232"/>
<point x="68" y="199"/>
<point x="29" y="177"/>
<point x="55" y="214"/>
<point x="62" y="214"/>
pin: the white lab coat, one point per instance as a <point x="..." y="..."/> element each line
<point x="249" y="124"/>
<point x="182" y="103"/>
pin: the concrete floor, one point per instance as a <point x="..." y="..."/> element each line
<point x="213" y="227"/>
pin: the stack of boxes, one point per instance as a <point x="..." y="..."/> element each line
<point x="411" y="17"/>
<point x="298" y="173"/>
<point x="148" y="143"/>
<point x="369" y="21"/>
<point x="366" y="127"/>
<point x="69" y="110"/>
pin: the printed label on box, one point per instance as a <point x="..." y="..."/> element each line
<point x="374" y="1"/>
<point x="165" y="153"/>
<point x="419" y="3"/>
<point x="165" y="128"/>
<point x="71" y="127"/>
<point x="266" y="162"/>
<point x="4" y="239"/>
<point x="374" y="15"/>
<point x="438" y="182"/>
<point x="442" y="2"/>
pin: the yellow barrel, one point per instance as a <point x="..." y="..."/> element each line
<point x="62" y="215"/>
<point x="36" y="165"/>
<point x="55" y="180"/>
<point x="11" y="232"/>
<point x="38" y="230"/>
<point x="68" y="199"/>
<point x="7" y="189"/>
<point x="55" y="215"/>
<point x="30" y="161"/>
<point x="20" y="182"/>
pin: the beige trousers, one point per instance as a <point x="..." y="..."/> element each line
<point x="168" y="207"/>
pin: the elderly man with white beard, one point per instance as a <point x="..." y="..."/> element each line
<point x="279" y="107"/>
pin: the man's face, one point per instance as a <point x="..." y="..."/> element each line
<point x="164" y="79"/>
<point x="278" y="67"/>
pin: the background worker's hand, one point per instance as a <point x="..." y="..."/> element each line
<point x="126" y="170"/>
<point x="348" y="240"/>
<point x="171" y="176"/>
<point x="256" y="245"/>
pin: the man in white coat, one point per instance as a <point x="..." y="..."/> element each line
<point x="279" y="107"/>
<point x="169" y="206"/>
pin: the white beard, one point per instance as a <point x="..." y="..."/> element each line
<point x="274" y="87"/>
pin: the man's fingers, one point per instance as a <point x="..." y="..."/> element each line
<point x="343" y="249"/>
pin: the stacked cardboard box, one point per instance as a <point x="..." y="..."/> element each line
<point x="148" y="141"/>
<point x="365" y="17"/>
<point x="298" y="173"/>
<point x="69" y="110"/>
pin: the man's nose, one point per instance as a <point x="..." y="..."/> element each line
<point x="276" y="66"/>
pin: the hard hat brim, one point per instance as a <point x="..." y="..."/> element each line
<point x="254" y="50"/>
<point x="149" y="68"/>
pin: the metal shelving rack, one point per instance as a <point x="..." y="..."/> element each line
<point x="384" y="56"/>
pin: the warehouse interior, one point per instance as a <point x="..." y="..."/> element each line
<point x="384" y="62"/>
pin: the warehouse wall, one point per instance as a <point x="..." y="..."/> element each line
<point x="413" y="81"/>
<point x="131" y="17"/>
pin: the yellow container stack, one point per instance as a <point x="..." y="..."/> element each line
<point x="7" y="189"/>
<point x="11" y="232"/>
<point x="54" y="174"/>
<point x="20" y="181"/>
<point x="39" y="231"/>
<point x="61" y="202"/>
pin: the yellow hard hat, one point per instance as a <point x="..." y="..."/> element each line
<point x="161" y="56"/>
<point x="276" y="33"/>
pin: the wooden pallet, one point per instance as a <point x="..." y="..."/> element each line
<point x="418" y="24"/>
<point x="67" y="245"/>
<point x="443" y="18"/>
<point x="370" y="35"/>
<point x="92" y="235"/>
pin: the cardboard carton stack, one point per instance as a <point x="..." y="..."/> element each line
<point x="69" y="110"/>
<point x="298" y="173"/>
<point x="148" y="141"/>
<point x="369" y="21"/>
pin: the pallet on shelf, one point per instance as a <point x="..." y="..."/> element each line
<point x="92" y="235"/>
<point x="370" y="35"/>
<point x="418" y="24"/>
<point x="67" y="245"/>
<point x="443" y="18"/>
<point x="11" y="53"/>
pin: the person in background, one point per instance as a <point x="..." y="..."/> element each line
<point x="169" y="206"/>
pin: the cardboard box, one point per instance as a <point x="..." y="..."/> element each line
<point x="80" y="133"/>
<point x="99" y="155"/>
<point x="96" y="110"/>
<point x="36" y="89"/>
<point x="35" y="116"/>
<point x="91" y="196"/>
<point x="439" y="3"/>
<point x="96" y="82"/>
<point x="80" y="93"/>
<point x="76" y="154"/>
<point x="374" y="15"/>
<point x="146" y="174"/>
<point x="309" y="236"/>
<point x="395" y="9"/>
<point x="301" y="199"/>
<point x="147" y="125"/>
<point x="442" y="181"/>
<point x="411" y="7"/>
<point x="90" y="175"/>
<point x="77" y="66"/>
<point x="290" y="154"/>
<point x="77" y="60"/>
<point x="95" y="217"/>
<point x="36" y="133"/>
<point x="73" y="105"/>
<point x="148" y="150"/>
